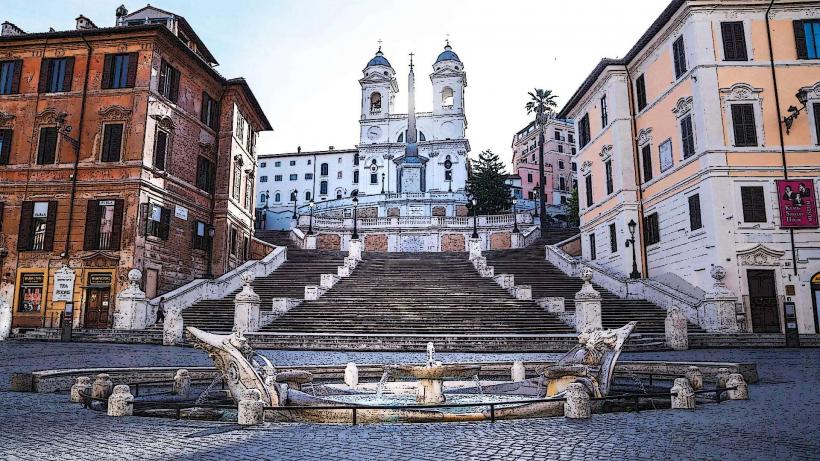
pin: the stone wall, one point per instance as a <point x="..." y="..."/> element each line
<point x="461" y="210"/>
<point x="452" y="243"/>
<point x="375" y="242"/>
<point x="329" y="242"/>
<point x="391" y="212"/>
<point x="369" y="212"/>
<point x="500" y="241"/>
<point x="439" y="211"/>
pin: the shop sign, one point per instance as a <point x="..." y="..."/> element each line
<point x="32" y="279"/>
<point x="798" y="206"/>
<point x="64" y="285"/>
<point x="99" y="279"/>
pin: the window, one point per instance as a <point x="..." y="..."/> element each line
<point x="574" y="166"/>
<point x="168" y="81"/>
<point x="570" y="137"/>
<point x="209" y="114"/>
<point x="307" y="195"/>
<point x="202" y="241"/>
<point x="646" y="155"/>
<point x="308" y="175"/>
<point x="5" y="146"/>
<point x="263" y="164"/>
<point x="10" y="76"/>
<point x="651" y="230"/>
<point x="447" y="96"/>
<point x="687" y="138"/>
<point x="448" y="175"/>
<point x="277" y="177"/>
<point x="356" y="177"/>
<point x="563" y="200"/>
<point x="246" y="247"/>
<point x="324" y="168"/>
<point x="592" y="250"/>
<point x="277" y="164"/>
<point x="103" y="224"/>
<point x="743" y="121"/>
<point x="604" y="114"/>
<point x="560" y="148"/>
<point x="338" y="175"/>
<point x="55" y="75"/>
<point x="560" y="164"/>
<point x="374" y="178"/>
<point x="112" y="142"/>
<point x="695" y="221"/>
<point x="375" y="103"/>
<point x="47" y="146"/>
<point x="119" y="70"/>
<point x="355" y="160"/>
<point x="734" y="41"/>
<point x="338" y="160"/>
<point x="640" y="91"/>
<point x="665" y="154"/>
<point x="807" y="39"/>
<point x="293" y="196"/>
<point x="205" y="174"/>
<point x="754" y="204"/>
<point x="588" y="183"/>
<point x="583" y="131"/>
<point x="338" y="194"/>
<point x="293" y="163"/>
<point x="294" y="177"/>
<point x="323" y="188"/>
<point x="815" y="106"/>
<point x="529" y="177"/>
<point x="613" y="238"/>
<point x="160" y="149"/>
<point x="608" y="168"/>
<point x="159" y="222"/>
<point x="237" y="182"/>
<point x="234" y="241"/>
<point x="557" y="135"/>
<point x="248" y="193"/>
<point x="679" y="56"/>
<point x="277" y="198"/>
<point x="562" y="183"/>
<point x="37" y="222"/>
<point x="263" y="179"/>
<point x="573" y="151"/>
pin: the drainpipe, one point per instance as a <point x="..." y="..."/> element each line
<point x="637" y="165"/>
<point x="779" y="122"/>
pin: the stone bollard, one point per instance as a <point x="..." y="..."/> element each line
<point x="518" y="373"/>
<point x="695" y="378"/>
<point x="721" y="377"/>
<point x="121" y="402"/>
<point x="737" y="381"/>
<point x="683" y="397"/>
<point x="355" y="249"/>
<point x="522" y="292"/>
<point x="182" y="383"/>
<point x="474" y="247"/>
<point x="246" y="306"/>
<point x="577" y="404"/>
<point x="587" y="305"/>
<point x="5" y="320"/>
<point x="251" y="409"/>
<point x="677" y="330"/>
<point x="101" y="389"/>
<point x="351" y="375"/>
<point x="83" y="385"/>
<point x="131" y="311"/>
<point x="172" y="328"/>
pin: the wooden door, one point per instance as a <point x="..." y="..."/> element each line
<point x="763" y="301"/>
<point x="97" y="307"/>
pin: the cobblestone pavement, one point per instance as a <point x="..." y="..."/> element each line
<point x="781" y="421"/>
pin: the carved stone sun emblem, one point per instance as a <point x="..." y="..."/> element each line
<point x="233" y="373"/>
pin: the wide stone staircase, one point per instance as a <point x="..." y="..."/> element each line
<point x="530" y="267"/>
<point x="275" y="237"/>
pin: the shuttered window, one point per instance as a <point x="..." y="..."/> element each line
<point x="2" y="205"/>
<point x="10" y="72"/>
<point x="201" y="239"/>
<point x="160" y="149"/>
<point x="687" y="136"/>
<point x="119" y="70"/>
<point x="593" y="255"/>
<point x="583" y="131"/>
<point x="652" y="234"/>
<point x="234" y="240"/>
<point x="112" y="142"/>
<point x="237" y="182"/>
<point x="754" y="204"/>
<point x="608" y="168"/>
<point x="640" y="92"/>
<point x="37" y="222"/>
<point x="5" y="146"/>
<point x="209" y="113"/>
<point x="103" y="224"/>
<point x="588" y="184"/>
<point x="734" y="41"/>
<point x="168" y="81"/>
<point x="816" y="107"/>
<point x="47" y="145"/>
<point x="604" y="113"/>
<point x="55" y="75"/>
<point x="613" y="238"/>
<point x="807" y="39"/>
<point x="205" y="174"/>
<point x="159" y="222"/>
<point x="646" y="157"/>
<point x="695" y="221"/>
<point x="679" y="55"/>
<point x="743" y="123"/>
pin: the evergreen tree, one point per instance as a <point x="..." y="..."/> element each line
<point x="573" y="216"/>
<point x="487" y="185"/>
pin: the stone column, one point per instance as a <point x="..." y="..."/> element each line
<point x="518" y="373"/>
<point x="101" y="389"/>
<point x="587" y="305"/>
<point x="83" y="385"/>
<point x="683" y="396"/>
<point x="351" y="375"/>
<point x="182" y="382"/>
<point x="717" y="311"/>
<point x="677" y="330"/>
<point x="695" y="378"/>
<point x="577" y="404"/>
<point x="741" y="391"/>
<point x="474" y="247"/>
<point x="172" y="328"/>
<point x="132" y="307"/>
<point x="251" y="409"/>
<point x="355" y="249"/>
<point x="246" y="307"/>
<point x="121" y="402"/>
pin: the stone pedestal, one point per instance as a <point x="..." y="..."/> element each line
<point x="83" y="385"/>
<point x="474" y="247"/>
<point x="327" y="281"/>
<point x="577" y="404"/>
<point x="677" y="330"/>
<point x="522" y="292"/>
<point x="313" y="292"/>
<point x="132" y="310"/>
<point x="355" y="249"/>
<point x="518" y="373"/>
<point x="121" y="402"/>
<point x="695" y="378"/>
<point x="717" y="311"/>
<point x="279" y="306"/>
<point x="351" y="375"/>
<point x="172" y="328"/>
<point x="246" y="307"/>
<point x="505" y="281"/>
<point x="587" y="305"/>
<point x="5" y="320"/>
<point x="343" y="271"/>
<point x="430" y="391"/>
<point x="251" y="409"/>
<point x="101" y="389"/>
<point x="555" y="305"/>
<point x="182" y="383"/>
<point x="310" y="242"/>
<point x="741" y="391"/>
<point x="683" y="397"/>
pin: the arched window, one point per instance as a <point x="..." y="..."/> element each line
<point x="447" y="96"/>
<point x="323" y="187"/>
<point x="355" y="193"/>
<point x="277" y="198"/>
<point x="375" y="102"/>
<point x="293" y="196"/>
<point x="338" y="193"/>
<point x="262" y="197"/>
<point x="324" y="169"/>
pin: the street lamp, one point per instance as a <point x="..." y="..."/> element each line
<point x="515" y="216"/>
<point x="382" y="183"/>
<point x="355" y="226"/>
<point x="475" y="218"/>
<point x="295" y="196"/>
<point x="211" y="233"/>
<point x="631" y="243"/>
<point x="802" y="98"/>
<point x="311" y="205"/>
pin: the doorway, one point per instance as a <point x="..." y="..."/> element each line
<point x="763" y="301"/>
<point x="97" y="307"/>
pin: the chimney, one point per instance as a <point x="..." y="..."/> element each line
<point x="83" y="23"/>
<point x="330" y="147"/>
<point x="10" y="30"/>
<point x="298" y="149"/>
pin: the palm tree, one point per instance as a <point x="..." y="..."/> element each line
<point x="541" y="103"/>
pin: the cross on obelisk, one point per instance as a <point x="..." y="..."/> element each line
<point x="411" y="61"/>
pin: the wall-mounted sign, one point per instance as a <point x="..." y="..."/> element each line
<point x="32" y="279"/>
<point x="106" y="203"/>
<point x="41" y="210"/>
<point x="665" y="153"/>
<point x="798" y="206"/>
<point x="181" y="212"/>
<point x="99" y="279"/>
<point x="64" y="285"/>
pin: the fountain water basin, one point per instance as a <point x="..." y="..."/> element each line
<point x="431" y="378"/>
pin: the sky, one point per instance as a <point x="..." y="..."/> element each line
<point x="303" y="59"/>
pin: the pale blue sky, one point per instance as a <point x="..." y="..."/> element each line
<point x="303" y="59"/>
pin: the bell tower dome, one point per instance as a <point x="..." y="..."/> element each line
<point x="379" y="87"/>
<point x="449" y="81"/>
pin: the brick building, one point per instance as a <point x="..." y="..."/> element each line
<point x="120" y="148"/>
<point x="559" y="147"/>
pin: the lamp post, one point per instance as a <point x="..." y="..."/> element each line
<point x="802" y="98"/>
<point x="355" y="226"/>
<point x="211" y="233"/>
<point x="631" y="243"/>
<point x="311" y="205"/>
<point x="515" y="216"/>
<point x="295" y="196"/>
<point x="383" y="183"/>
<point x="475" y="219"/>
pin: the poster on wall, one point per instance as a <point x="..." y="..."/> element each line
<point x="63" y="285"/>
<point x="798" y="205"/>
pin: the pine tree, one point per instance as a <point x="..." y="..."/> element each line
<point x="487" y="185"/>
<point x="573" y="216"/>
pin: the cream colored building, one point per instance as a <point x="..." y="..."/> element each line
<point x="683" y="136"/>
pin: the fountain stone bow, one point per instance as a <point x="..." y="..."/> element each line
<point x="431" y="376"/>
